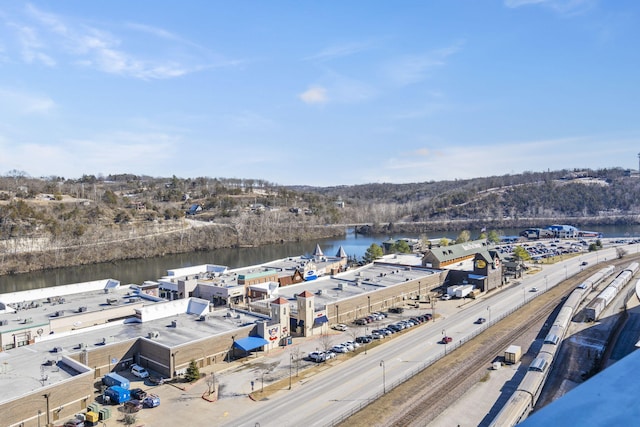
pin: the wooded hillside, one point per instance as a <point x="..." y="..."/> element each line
<point x="52" y="222"/>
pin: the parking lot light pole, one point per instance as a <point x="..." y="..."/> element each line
<point x="546" y="284"/>
<point x="384" y="381"/>
<point x="489" y="310"/>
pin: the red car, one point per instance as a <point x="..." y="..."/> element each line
<point x="446" y="340"/>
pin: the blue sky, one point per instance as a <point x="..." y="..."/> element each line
<point x="318" y="93"/>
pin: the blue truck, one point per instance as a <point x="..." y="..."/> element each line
<point x="112" y="379"/>
<point x="117" y="395"/>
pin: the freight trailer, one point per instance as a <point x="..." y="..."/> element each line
<point x="463" y="291"/>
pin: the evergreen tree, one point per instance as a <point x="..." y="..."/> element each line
<point x="193" y="373"/>
<point x="373" y="252"/>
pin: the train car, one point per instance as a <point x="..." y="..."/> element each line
<point x="550" y="347"/>
<point x="514" y="411"/>
<point x="574" y="299"/>
<point x="593" y="310"/>
<point x="633" y="267"/>
<point x="604" y="298"/>
<point x="595" y="279"/>
<point x="564" y="317"/>
<point x="555" y="335"/>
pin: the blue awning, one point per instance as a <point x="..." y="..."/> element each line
<point x="477" y="277"/>
<point x="320" y="320"/>
<point x="250" y="343"/>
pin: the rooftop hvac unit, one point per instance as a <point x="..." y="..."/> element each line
<point x="82" y="309"/>
<point x="57" y="349"/>
<point x="174" y="323"/>
<point x="59" y="313"/>
<point x="154" y="334"/>
<point x="82" y="346"/>
<point x="341" y="286"/>
<point x="28" y="320"/>
<point x="4" y="322"/>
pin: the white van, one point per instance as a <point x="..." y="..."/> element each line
<point x="139" y="371"/>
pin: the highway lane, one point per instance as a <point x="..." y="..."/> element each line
<point x="346" y="386"/>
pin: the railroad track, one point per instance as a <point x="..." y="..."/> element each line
<point x="433" y="399"/>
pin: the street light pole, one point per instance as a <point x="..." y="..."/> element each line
<point x="384" y="381"/>
<point x="444" y="340"/>
<point x="290" y="365"/>
<point x="366" y="330"/>
<point x="566" y="273"/>
<point x="489" y="310"/>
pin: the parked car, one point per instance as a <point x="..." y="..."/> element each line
<point x="394" y="327"/>
<point x="74" y="423"/>
<point x="364" y="339"/>
<point x="138" y="393"/>
<point x="445" y="297"/>
<point x="329" y="355"/>
<point x="339" y="348"/>
<point x="353" y="344"/>
<point x="156" y="380"/>
<point x="133" y="405"/>
<point x="446" y="340"/>
<point x="348" y="346"/>
<point x="151" y="401"/>
<point x="360" y="322"/>
<point x="139" y="371"/>
<point x="481" y="320"/>
<point x="317" y="356"/>
<point x="377" y="335"/>
<point x="534" y="289"/>
<point x="398" y="310"/>
<point x="340" y="327"/>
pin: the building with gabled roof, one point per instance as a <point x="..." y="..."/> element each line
<point x="474" y="262"/>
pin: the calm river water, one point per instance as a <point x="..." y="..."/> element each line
<point x="137" y="271"/>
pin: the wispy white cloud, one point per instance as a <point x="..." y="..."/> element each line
<point x="14" y="101"/>
<point x="565" y="7"/>
<point x="410" y="69"/>
<point x="314" y="95"/>
<point x="120" y="151"/>
<point x="456" y="161"/>
<point x="52" y="39"/>
<point x="32" y="46"/>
